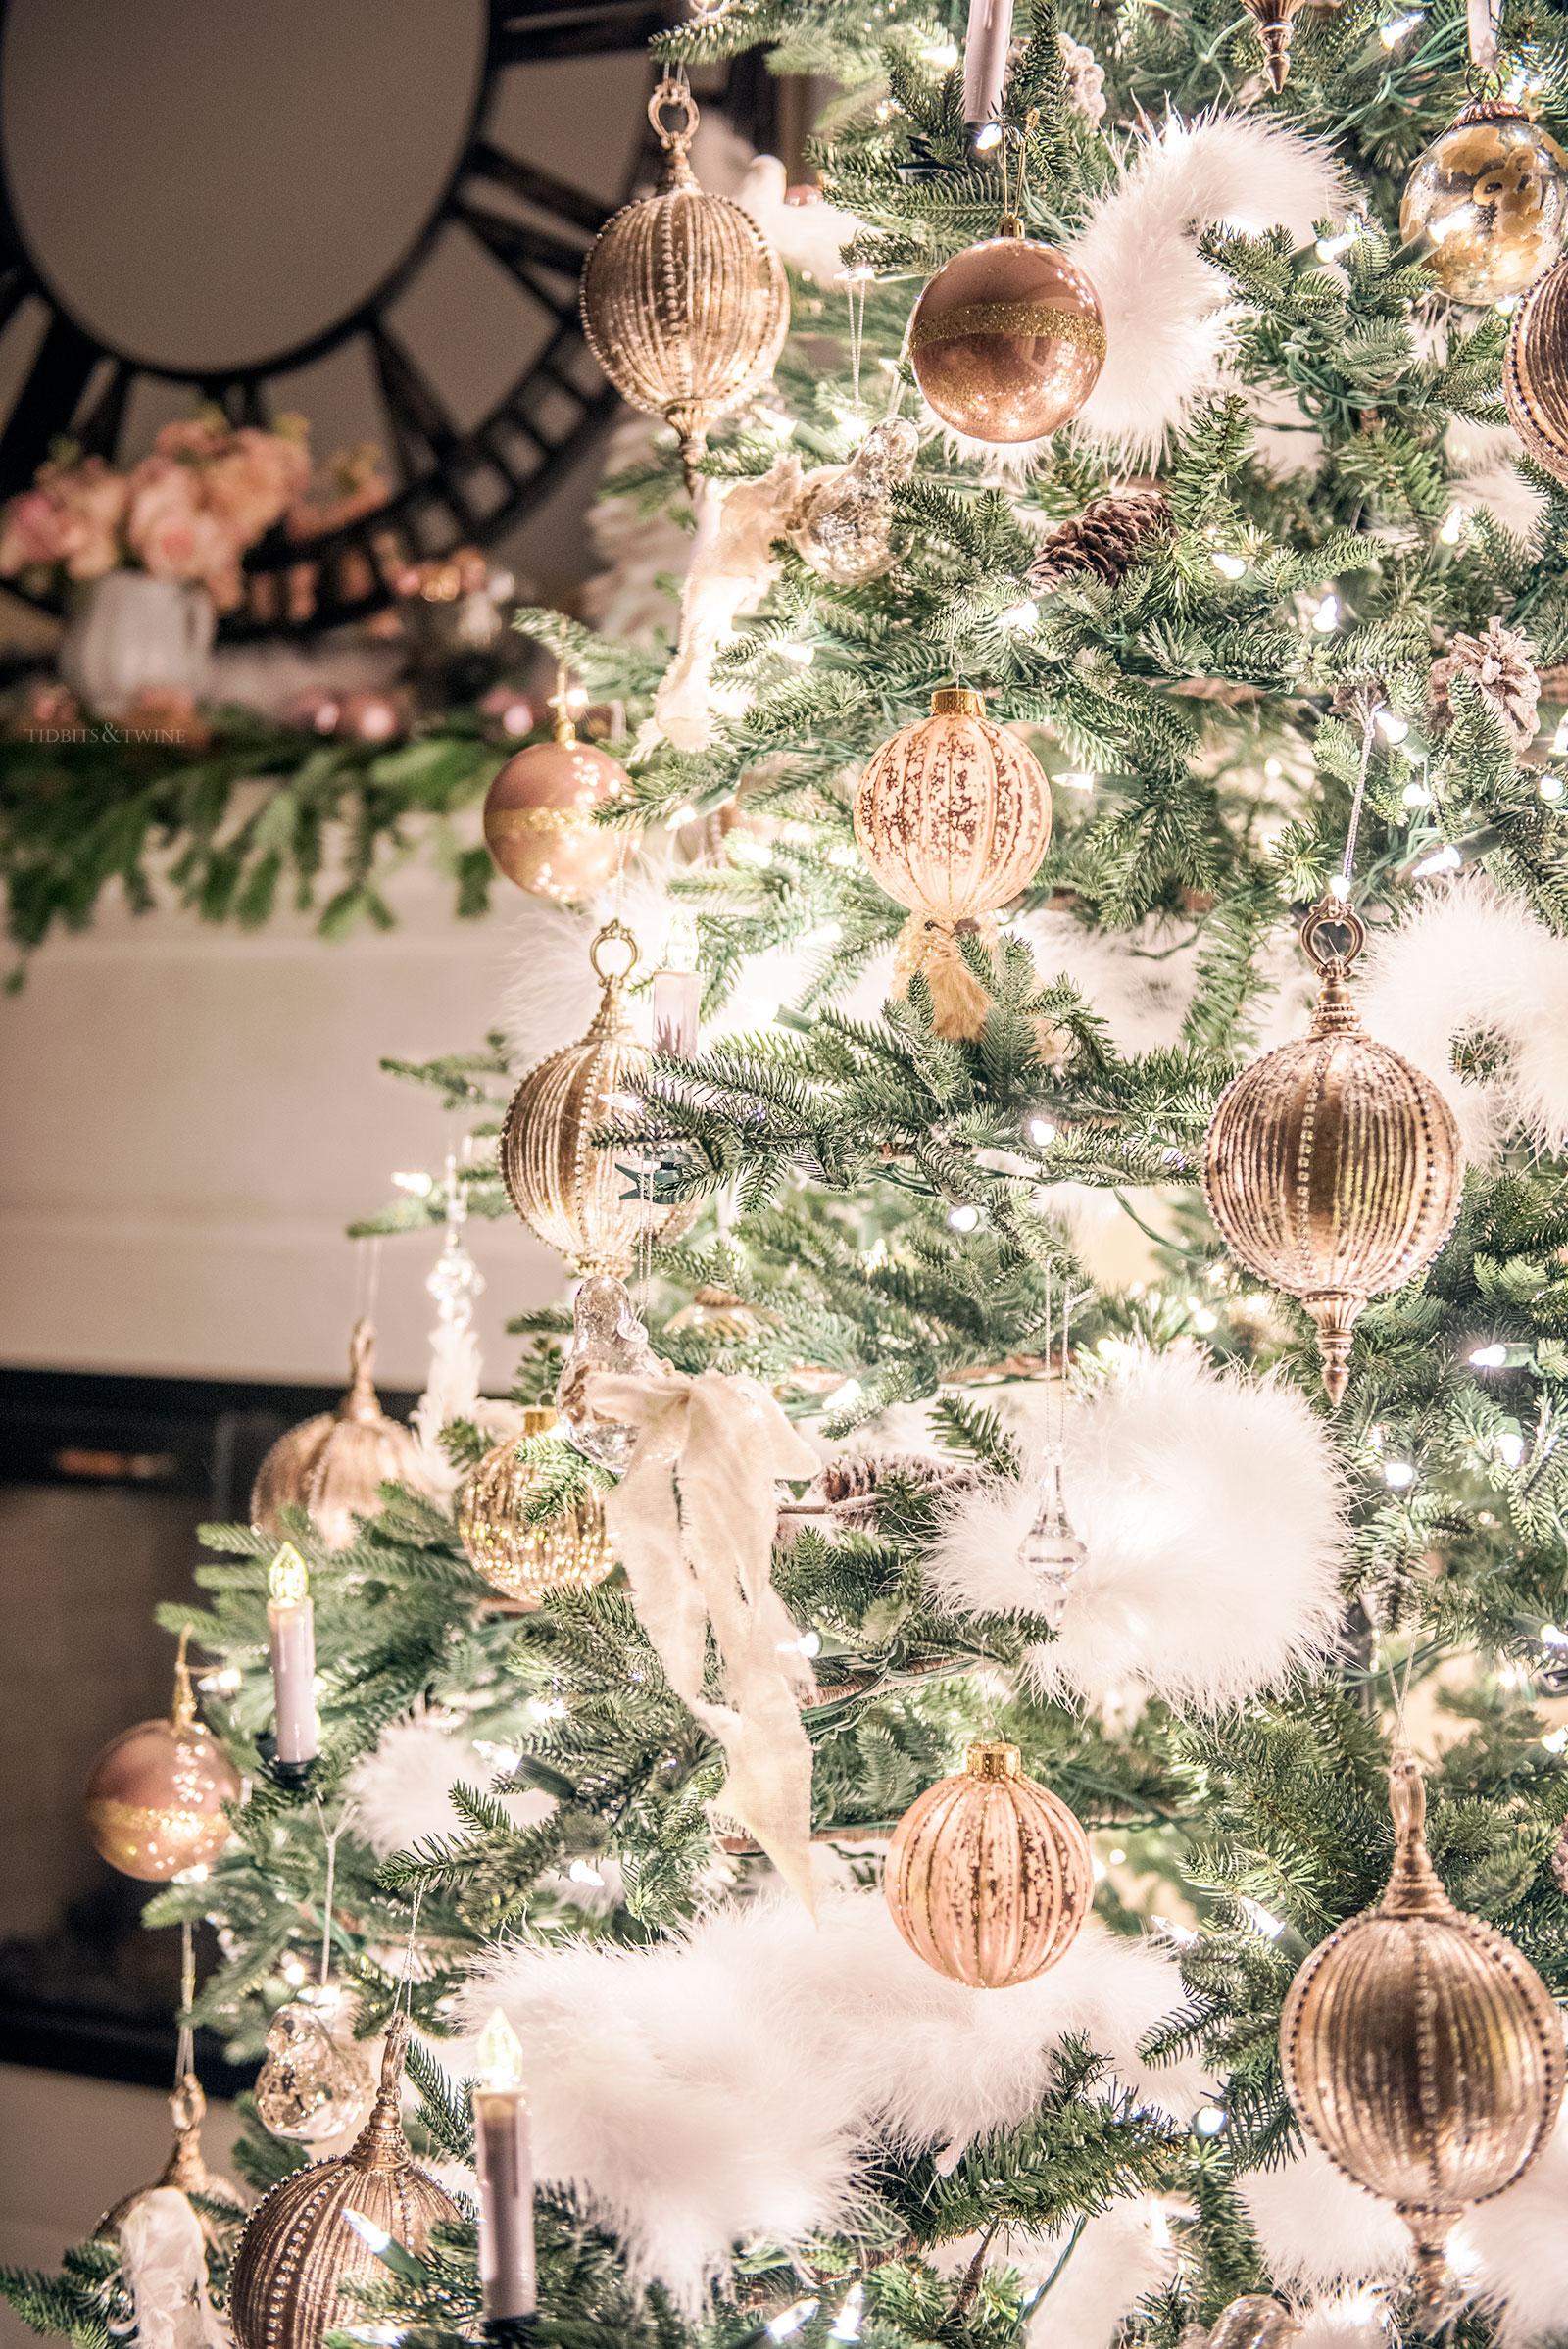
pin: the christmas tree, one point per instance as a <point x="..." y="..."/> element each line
<point x="1242" y="558"/>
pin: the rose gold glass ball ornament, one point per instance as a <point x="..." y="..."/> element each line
<point x="538" y="821"/>
<point x="1331" y="1167"/>
<point x="525" y="1562"/>
<point x="684" y="302"/>
<point x="156" y="1794"/>
<point x="1007" y="340"/>
<point x="298" y="2249"/>
<point x="989" y="1874"/>
<point x="578" y="1199"/>
<point x="1420" y="2050"/>
<point x="330" y="1466"/>
<point x="185" y="2169"/>
<point x="1488" y="203"/>
<point x="1535" y="371"/>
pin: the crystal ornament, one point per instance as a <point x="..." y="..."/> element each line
<point x="606" y="1334"/>
<point x="1050" y="1550"/>
<point x="310" y="2087"/>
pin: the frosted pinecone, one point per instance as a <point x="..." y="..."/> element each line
<point x="1502" y="662"/>
<point x="1105" y="540"/>
<point x="850" y="1484"/>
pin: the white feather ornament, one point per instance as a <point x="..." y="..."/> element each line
<point x="731" y="569"/>
<point x="808" y="236"/>
<point x="1344" y="2321"/>
<point x="1166" y="309"/>
<point x="1469" y="960"/>
<point x="403" y="1789"/>
<point x="1122" y="2254"/>
<point x="731" y="2084"/>
<point x="1213" y="1520"/>
<point x="1513" y="2251"/>
<point x="1140" y="981"/>
<point x="1319" y="2231"/>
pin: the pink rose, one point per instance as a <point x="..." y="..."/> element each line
<point x="194" y="437"/>
<point x="172" y="532"/>
<point x="252" y="480"/>
<point x="94" y="498"/>
<point x="31" y="530"/>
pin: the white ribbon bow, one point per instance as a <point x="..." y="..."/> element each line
<point x="165" y="2260"/>
<point x="706" y="1558"/>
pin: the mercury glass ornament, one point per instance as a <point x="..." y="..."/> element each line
<point x="579" y="1199"/>
<point x="1488" y="203"/>
<point x="332" y="1465"/>
<point x="312" y="2086"/>
<point x="296" y="2250"/>
<point x="523" y="1561"/>
<point x="843" y="524"/>
<point x="156" y="1792"/>
<point x="684" y="302"/>
<point x="1008" y="340"/>
<point x="1534" y="371"/>
<point x="1420" y="2050"/>
<point x="989" y="1874"/>
<point x="606" y="1334"/>
<point x="1331" y="1167"/>
<point x="1051" y="1552"/>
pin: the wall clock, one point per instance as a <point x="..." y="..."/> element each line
<point x="212" y="195"/>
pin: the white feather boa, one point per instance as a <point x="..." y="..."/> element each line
<point x="1212" y="1519"/>
<point x="732" y="2085"/>
<point x="1468" y="961"/>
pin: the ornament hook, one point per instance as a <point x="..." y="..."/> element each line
<point x="614" y="933"/>
<point x="1330" y="913"/>
<point x="675" y="141"/>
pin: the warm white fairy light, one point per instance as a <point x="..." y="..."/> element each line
<point x="802" y="656"/>
<point x="1489" y="1357"/>
<point x="1391" y="728"/>
<point x="987" y="135"/>
<point x="965" y="1218"/>
<point x="1209" y="2119"/>
<point x="418" y="1186"/>
<point x="1445" y="859"/>
<point x="1018" y="615"/>
<point x="1077" y="779"/>
<point x="846" y="2323"/>
<point x="1398" y="1474"/>
<point x="1449" y="535"/>
<point x="1262" y="1920"/>
<point x="789" y="2319"/>
<point x="1511" y="1447"/>
<point x="1326" y="618"/>
<point x="581" y="1874"/>
<point x="1232" y="566"/>
<point x="940" y="53"/>
<point x="1556" y="1739"/>
<point x="1042" y="1132"/>
<point x="1393" y="34"/>
<point x="1417" y="795"/>
<point x="679" y="815"/>
<point x="1551" y="786"/>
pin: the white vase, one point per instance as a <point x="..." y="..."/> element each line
<point x="131" y="633"/>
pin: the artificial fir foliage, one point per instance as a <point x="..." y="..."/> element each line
<point x="895" y="1216"/>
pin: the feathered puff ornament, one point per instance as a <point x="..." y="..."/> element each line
<point x="736" y="2083"/>
<point x="1469" y="964"/>
<point x="1213" y="1520"/>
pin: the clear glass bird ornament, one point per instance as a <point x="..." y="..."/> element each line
<point x="606" y="1334"/>
<point x="312" y="2087"/>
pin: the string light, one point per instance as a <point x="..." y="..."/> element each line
<point x="1449" y="535"/>
<point x="1445" y="859"/>
<point x="1398" y="1474"/>
<point x="846" y="2323"/>
<point x="1042" y="1132"/>
<point x="1555" y="1739"/>
<point x="1326" y="618"/>
<point x="1232" y="566"/>
<point x="965" y="1218"/>
<point x="581" y="1874"/>
<point x="1392" y="34"/>
<point x="987" y="135"/>
<point x="1391" y="728"/>
<point x="1209" y="2119"/>
<point x="419" y="1185"/>
<point x="1489" y="1357"/>
<point x="1018" y="615"/>
<point x="1512" y="1446"/>
<point x="802" y="656"/>
<point x="1329" y="248"/>
<point x="1552" y="1637"/>
<point x="1551" y="786"/>
<point x="1262" y="1920"/>
<point x="1417" y="795"/>
<point x="789" y="2319"/>
<point x="1077" y="780"/>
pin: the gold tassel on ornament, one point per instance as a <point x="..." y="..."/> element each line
<point x="960" y="1004"/>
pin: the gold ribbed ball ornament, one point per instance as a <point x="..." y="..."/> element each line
<point x="156" y="1794"/>
<point x="566" y="1191"/>
<point x="525" y="1562"/>
<point x="1332" y="1166"/>
<point x="989" y="1874"/>
<point x="953" y="816"/>
<point x="1535" y="371"/>
<point x="185" y="2169"/>
<point x="1008" y="339"/>
<point x="684" y="302"/>
<point x="1420" y="2050"/>
<point x="1488" y="203"/>
<point x="331" y="1465"/>
<point x="298" y="2249"/>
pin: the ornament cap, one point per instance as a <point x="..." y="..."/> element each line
<point x="1414" y="1888"/>
<point x="957" y="701"/>
<point x="381" y="2145"/>
<point x="540" y="1419"/>
<point x="670" y="94"/>
<point x="362" y="1402"/>
<point x="992" y="1758"/>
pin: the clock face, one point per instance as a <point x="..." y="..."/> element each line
<point x="209" y="202"/>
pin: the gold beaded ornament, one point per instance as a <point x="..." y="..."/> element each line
<point x="1332" y="1166"/>
<point x="1535" y="371"/>
<point x="953" y="816"/>
<point x="685" y="303"/>
<point x="989" y="1874"/>
<point x="525" y="1562"/>
<point x="570" y="1194"/>
<point x="1420" y="2050"/>
<point x="298" y="2249"/>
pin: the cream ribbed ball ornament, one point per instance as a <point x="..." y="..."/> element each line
<point x="1332" y="1166"/>
<point x="1420" y="2050"/>
<point x="576" y="1198"/>
<point x="684" y="302"/>
<point x="332" y="1465"/>
<point x="953" y="816"/>
<point x="989" y="1874"/>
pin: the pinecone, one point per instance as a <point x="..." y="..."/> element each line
<point x="850" y="1485"/>
<point x="1502" y="662"/>
<point x="1559" y="1861"/>
<point x="1105" y="539"/>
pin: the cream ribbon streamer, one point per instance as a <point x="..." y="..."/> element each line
<point x="165" y="2260"/>
<point x="692" y="1520"/>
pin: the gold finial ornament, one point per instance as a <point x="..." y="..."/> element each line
<point x="1275" y="21"/>
<point x="684" y="302"/>
<point x="298" y="2248"/>
<point x="1420" y="2050"/>
<point x="331" y="1465"/>
<point x="989" y="1874"/>
<point x="523" y="1561"/>
<point x="953" y="816"/>
<point x="156" y="1792"/>
<point x="1332" y="1166"/>
<point x="567" y="1191"/>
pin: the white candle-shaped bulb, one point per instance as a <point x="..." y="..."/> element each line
<point x="503" y="2157"/>
<point x="677" y="991"/>
<point x="985" y="58"/>
<point x="291" y="1629"/>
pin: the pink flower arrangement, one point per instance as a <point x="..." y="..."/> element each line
<point x="190" y="511"/>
